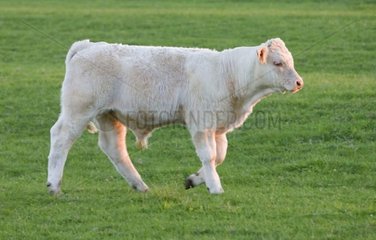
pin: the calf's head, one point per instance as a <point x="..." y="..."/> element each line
<point x="277" y="67"/>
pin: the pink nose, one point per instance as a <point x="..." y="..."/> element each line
<point x="298" y="85"/>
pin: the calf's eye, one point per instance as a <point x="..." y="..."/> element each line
<point x="278" y="64"/>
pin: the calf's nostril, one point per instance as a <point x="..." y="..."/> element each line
<point x="299" y="83"/>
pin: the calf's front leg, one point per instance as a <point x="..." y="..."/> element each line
<point x="205" y="144"/>
<point x="221" y="150"/>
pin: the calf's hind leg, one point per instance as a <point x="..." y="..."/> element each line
<point x="63" y="134"/>
<point x="112" y="142"/>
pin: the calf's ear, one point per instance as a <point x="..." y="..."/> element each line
<point x="262" y="53"/>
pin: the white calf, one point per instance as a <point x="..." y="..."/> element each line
<point x="142" y="88"/>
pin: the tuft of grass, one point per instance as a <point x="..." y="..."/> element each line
<point x="302" y="167"/>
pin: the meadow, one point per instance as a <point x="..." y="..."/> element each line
<point x="302" y="167"/>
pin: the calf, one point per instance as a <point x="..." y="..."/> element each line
<point x="118" y="87"/>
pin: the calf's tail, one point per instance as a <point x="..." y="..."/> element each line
<point x="75" y="48"/>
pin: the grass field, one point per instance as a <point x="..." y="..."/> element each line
<point x="302" y="167"/>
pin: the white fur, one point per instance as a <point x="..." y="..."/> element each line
<point x="142" y="88"/>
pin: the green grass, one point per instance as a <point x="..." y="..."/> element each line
<point x="302" y="167"/>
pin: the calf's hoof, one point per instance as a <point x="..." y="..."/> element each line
<point x="216" y="191"/>
<point x="193" y="181"/>
<point x="140" y="187"/>
<point x="188" y="184"/>
<point x="53" y="190"/>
